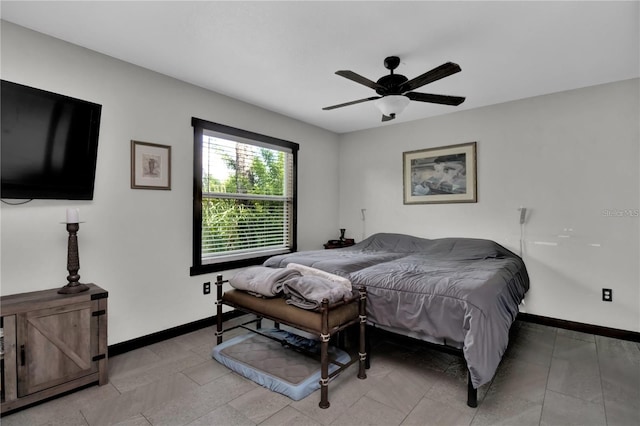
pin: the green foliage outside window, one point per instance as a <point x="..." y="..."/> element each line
<point x="238" y="223"/>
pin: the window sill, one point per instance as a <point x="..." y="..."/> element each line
<point x="225" y="266"/>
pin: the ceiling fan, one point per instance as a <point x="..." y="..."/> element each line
<point x="396" y="90"/>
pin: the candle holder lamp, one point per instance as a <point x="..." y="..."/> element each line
<point x="73" y="263"/>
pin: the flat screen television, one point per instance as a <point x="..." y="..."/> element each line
<point x="49" y="144"/>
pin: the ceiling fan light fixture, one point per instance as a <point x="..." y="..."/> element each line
<point x="392" y="105"/>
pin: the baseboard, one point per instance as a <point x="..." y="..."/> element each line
<point x="582" y="327"/>
<point x="129" y="345"/>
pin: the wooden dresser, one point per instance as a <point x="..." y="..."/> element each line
<point x="53" y="343"/>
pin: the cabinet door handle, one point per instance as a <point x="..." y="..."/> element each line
<point x="22" y="355"/>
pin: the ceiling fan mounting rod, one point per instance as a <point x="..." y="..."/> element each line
<point x="390" y="84"/>
<point x="391" y="63"/>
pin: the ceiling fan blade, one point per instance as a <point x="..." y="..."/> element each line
<point x="359" y="79"/>
<point x="435" y="99"/>
<point x="351" y="103"/>
<point x="388" y="117"/>
<point x="437" y="73"/>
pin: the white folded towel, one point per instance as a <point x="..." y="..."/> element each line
<point x="308" y="270"/>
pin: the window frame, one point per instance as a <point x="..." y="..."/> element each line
<point x="199" y="127"/>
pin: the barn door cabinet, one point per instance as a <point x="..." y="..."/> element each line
<point x="53" y="343"/>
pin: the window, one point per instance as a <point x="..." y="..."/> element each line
<point x="244" y="202"/>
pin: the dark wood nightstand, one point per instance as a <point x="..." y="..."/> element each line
<point x="334" y="244"/>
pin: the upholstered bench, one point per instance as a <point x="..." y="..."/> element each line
<point x="323" y="322"/>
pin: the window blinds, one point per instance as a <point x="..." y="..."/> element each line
<point x="247" y="198"/>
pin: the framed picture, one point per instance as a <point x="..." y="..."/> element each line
<point x="150" y="165"/>
<point x="445" y="174"/>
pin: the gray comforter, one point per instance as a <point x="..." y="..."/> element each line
<point x="262" y="281"/>
<point x="457" y="291"/>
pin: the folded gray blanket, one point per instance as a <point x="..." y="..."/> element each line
<point x="261" y="280"/>
<point x="307" y="291"/>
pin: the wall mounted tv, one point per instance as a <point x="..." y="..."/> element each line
<point x="49" y="144"/>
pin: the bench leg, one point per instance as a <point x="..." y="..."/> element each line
<point x="324" y="373"/>
<point x="219" y="331"/>
<point x="368" y="337"/>
<point x="362" y="349"/>
<point x="324" y="355"/>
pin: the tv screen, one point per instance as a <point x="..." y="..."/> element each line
<point x="49" y="144"/>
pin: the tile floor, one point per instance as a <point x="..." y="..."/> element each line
<point x="548" y="376"/>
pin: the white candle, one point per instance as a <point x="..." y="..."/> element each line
<point x="73" y="216"/>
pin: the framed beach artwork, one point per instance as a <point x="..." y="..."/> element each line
<point x="150" y="165"/>
<point x="444" y="174"/>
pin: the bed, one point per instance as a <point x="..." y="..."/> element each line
<point x="463" y="293"/>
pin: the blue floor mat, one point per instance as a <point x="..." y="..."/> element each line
<point x="274" y="365"/>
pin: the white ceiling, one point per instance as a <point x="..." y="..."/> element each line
<point x="282" y="56"/>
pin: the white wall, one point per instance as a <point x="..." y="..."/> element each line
<point x="137" y="243"/>
<point x="567" y="157"/>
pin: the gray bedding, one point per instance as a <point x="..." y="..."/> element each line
<point x="459" y="291"/>
<point x="340" y="261"/>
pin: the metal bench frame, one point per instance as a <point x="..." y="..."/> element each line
<point x="323" y="330"/>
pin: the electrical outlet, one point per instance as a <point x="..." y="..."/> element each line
<point x="607" y="295"/>
<point x="206" y="288"/>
